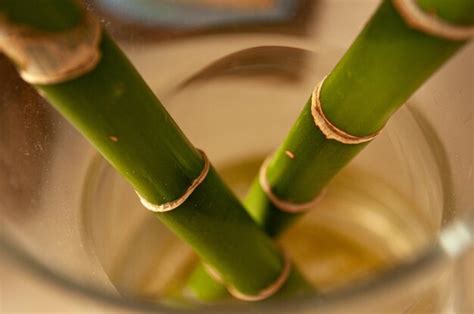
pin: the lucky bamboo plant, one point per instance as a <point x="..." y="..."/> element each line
<point x="65" y="54"/>
<point x="401" y="46"/>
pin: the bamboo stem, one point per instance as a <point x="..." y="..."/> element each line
<point x="118" y="113"/>
<point x="387" y="63"/>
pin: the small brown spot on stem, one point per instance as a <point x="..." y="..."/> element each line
<point x="113" y="138"/>
<point x="433" y="12"/>
<point x="290" y="154"/>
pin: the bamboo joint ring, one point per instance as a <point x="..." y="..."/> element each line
<point x="329" y="129"/>
<point x="431" y="24"/>
<point x="283" y="205"/>
<point x="169" y="206"/>
<point x="45" y="57"/>
<point x="263" y="294"/>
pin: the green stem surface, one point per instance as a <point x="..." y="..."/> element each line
<point x="387" y="63"/>
<point x="121" y="117"/>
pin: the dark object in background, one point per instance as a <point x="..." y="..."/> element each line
<point x="194" y="14"/>
<point x="164" y="19"/>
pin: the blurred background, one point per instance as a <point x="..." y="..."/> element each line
<point x="180" y="38"/>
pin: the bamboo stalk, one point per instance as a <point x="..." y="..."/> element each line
<point x="387" y="63"/>
<point x="117" y="112"/>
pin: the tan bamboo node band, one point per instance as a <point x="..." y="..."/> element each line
<point x="166" y="207"/>
<point x="285" y="206"/>
<point x="327" y="128"/>
<point x="52" y="57"/>
<point x="262" y="294"/>
<point x="429" y="23"/>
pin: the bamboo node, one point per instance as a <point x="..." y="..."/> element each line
<point x="327" y="128"/>
<point x="431" y="24"/>
<point x="283" y="205"/>
<point x="263" y="294"/>
<point x="52" y="57"/>
<point x="169" y="206"/>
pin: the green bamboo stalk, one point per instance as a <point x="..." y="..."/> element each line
<point x="387" y="63"/>
<point x="121" y="117"/>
